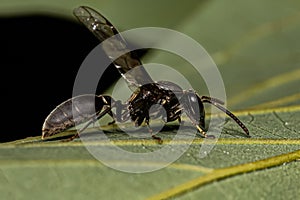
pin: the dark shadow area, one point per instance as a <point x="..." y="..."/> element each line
<point x="40" y="57"/>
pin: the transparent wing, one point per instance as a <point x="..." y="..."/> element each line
<point x="103" y="30"/>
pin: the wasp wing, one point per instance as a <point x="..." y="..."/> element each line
<point x="114" y="46"/>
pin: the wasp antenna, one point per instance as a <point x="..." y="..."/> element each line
<point x="212" y="100"/>
<point x="230" y="114"/>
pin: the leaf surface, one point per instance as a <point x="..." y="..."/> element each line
<point x="255" y="46"/>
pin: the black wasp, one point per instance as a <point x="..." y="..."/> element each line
<point x="171" y="98"/>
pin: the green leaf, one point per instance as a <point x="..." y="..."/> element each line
<point x="68" y="169"/>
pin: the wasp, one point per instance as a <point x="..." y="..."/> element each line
<point x="171" y="98"/>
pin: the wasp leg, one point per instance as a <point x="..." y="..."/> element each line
<point x="158" y="139"/>
<point x="201" y="131"/>
<point x="92" y="120"/>
<point x="180" y="121"/>
<point x="119" y="109"/>
<point x="112" y="116"/>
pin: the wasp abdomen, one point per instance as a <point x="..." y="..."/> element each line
<point x="73" y="111"/>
